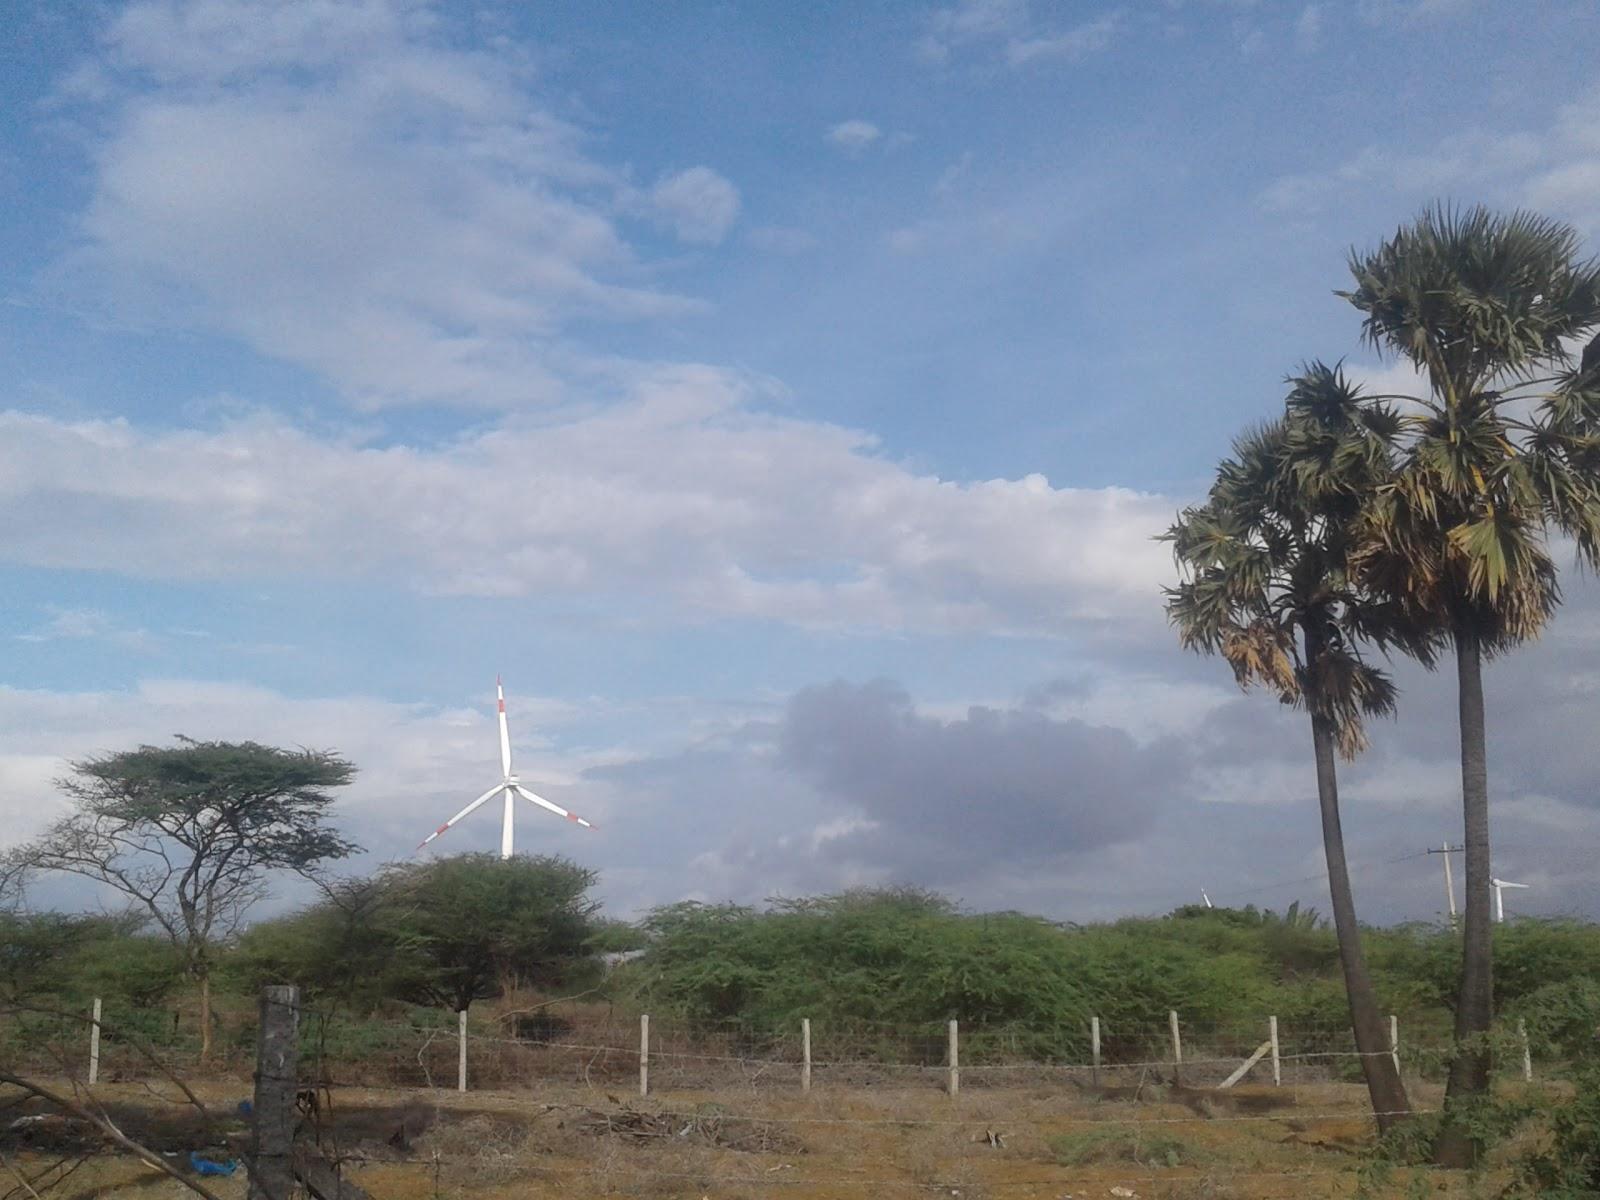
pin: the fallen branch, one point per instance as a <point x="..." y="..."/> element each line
<point x="106" y="1127"/>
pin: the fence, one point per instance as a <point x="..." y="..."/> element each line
<point x="594" y="1044"/>
<point x="629" y="1103"/>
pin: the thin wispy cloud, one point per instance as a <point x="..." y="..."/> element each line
<point x="1068" y="45"/>
<point x="1308" y="28"/>
<point x="89" y="625"/>
<point x="1552" y="168"/>
<point x="1012" y="29"/>
<point x="854" y="136"/>
<point x="413" y="220"/>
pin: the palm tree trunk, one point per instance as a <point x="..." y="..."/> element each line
<point x="1469" y="1069"/>
<point x="1390" y="1104"/>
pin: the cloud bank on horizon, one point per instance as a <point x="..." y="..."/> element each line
<point x="796" y="452"/>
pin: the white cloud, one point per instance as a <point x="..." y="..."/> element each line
<point x="700" y="205"/>
<point x="89" y="624"/>
<point x="340" y="187"/>
<point x="1308" y="27"/>
<point x="1010" y="28"/>
<point x="684" y="494"/>
<point x="1070" y="45"/>
<point x="1555" y="170"/>
<point x="969" y="21"/>
<point x="218" y="40"/>
<point x="1411" y="12"/>
<point x="854" y="136"/>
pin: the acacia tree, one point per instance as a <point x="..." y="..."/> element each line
<point x="1501" y="448"/>
<point x="189" y="833"/>
<point x="468" y="927"/>
<point x="1269" y="587"/>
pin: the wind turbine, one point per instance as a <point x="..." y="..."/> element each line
<point x="1500" y="886"/>
<point x="508" y="786"/>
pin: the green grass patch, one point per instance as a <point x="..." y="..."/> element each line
<point x="1123" y="1144"/>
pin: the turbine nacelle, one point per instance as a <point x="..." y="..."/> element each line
<point x="509" y="787"/>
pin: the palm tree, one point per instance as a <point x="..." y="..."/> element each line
<point x="1267" y="584"/>
<point x="1501" y="447"/>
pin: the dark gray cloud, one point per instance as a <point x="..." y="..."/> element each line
<point x="1049" y="806"/>
<point x="994" y="788"/>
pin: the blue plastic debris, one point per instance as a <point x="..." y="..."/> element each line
<point x="246" y="1109"/>
<point x="205" y="1166"/>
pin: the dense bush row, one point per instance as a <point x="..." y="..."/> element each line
<point x="900" y="960"/>
<point x="910" y="958"/>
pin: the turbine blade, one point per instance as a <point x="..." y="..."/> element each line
<point x="505" y="733"/>
<point x="555" y="808"/>
<point x="467" y="811"/>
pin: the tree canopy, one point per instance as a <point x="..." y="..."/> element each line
<point x="446" y="932"/>
<point x="189" y="833"/>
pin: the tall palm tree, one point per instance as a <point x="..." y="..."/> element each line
<point x="1500" y="448"/>
<point x="1267" y="585"/>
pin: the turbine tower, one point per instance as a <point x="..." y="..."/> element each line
<point x="509" y="788"/>
<point x="1500" y="886"/>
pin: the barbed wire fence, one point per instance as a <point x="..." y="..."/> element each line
<point x="566" y="1090"/>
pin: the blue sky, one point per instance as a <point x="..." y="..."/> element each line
<point x="782" y="398"/>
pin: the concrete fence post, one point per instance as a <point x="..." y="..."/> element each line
<point x="805" y="1054"/>
<point x="644" y="1054"/>
<point x="94" y="1043"/>
<point x="955" y="1060"/>
<point x="277" y="1073"/>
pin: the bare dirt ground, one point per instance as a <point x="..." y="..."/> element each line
<point x="1032" y="1143"/>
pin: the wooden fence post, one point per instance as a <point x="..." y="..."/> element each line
<point x="277" y="1071"/>
<point x="1177" y="1046"/>
<point x="1394" y="1041"/>
<point x="1094" y="1050"/>
<point x="1527" y="1051"/>
<point x="461" y="1051"/>
<point x="1272" y="1036"/>
<point x="94" y="1044"/>
<point x="644" y="1054"/>
<point x="955" y="1060"/>
<point x="805" y="1054"/>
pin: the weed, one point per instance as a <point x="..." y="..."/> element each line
<point x="1122" y="1143"/>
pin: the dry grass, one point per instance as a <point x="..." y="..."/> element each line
<point x="1029" y="1143"/>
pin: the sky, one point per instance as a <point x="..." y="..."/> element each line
<point x="782" y="399"/>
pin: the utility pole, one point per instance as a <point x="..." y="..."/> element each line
<point x="1449" y="879"/>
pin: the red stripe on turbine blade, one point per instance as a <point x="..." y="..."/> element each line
<point x="441" y="829"/>
<point x="572" y="817"/>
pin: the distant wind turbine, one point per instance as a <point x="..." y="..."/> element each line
<point x="1500" y="886"/>
<point x="508" y="786"/>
